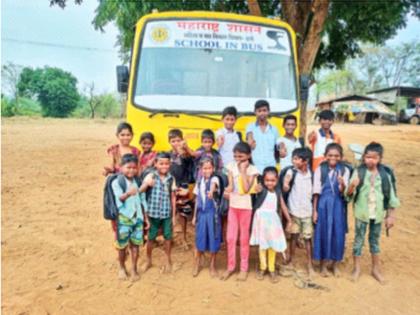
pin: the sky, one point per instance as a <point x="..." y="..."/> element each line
<point x="35" y="34"/>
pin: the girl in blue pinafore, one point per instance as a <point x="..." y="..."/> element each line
<point x="207" y="219"/>
<point x="330" y="180"/>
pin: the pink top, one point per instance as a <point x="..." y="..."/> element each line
<point x="114" y="151"/>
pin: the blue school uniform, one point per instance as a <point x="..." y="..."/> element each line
<point x="330" y="230"/>
<point x="208" y="229"/>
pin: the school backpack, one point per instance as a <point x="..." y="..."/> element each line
<point x="282" y="177"/>
<point x="388" y="181"/>
<point x="260" y="197"/>
<point x="110" y="204"/>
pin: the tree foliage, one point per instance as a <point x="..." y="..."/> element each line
<point x="347" y="23"/>
<point x="54" y="88"/>
<point x="378" y="67"/>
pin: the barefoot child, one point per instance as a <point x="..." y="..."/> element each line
<point x="372" y="189"/>
<point x="147" y="155"/>
<point x="320" y="138"/>
<point x="207" y="219"/>
<point x="130" y="216"/>
<point x="242" y="180"/>
<point x="116" y="151"/>
<point x="330" y="180"/>
<point x="267" y="230"/>
<point x="181" y="169"/>
<point x="298" y="185"/>
<point x="160" y="187"/>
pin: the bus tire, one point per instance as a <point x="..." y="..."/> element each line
<point x="414" y="120"/>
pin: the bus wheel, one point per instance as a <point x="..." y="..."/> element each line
<point x="414" y="120"/>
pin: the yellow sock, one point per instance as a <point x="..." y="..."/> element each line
<point x="263" y="259"/>
<point x="271" y="260"/>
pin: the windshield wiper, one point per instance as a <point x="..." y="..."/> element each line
<point x="177" y="113"/>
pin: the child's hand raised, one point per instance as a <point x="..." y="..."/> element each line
<point x="150" y="181"/>
<point x="355" y="182"/>
<point x="132" y="191"/>
<point x="341" y="181"/>
<point x="282" y="150"/>
<point x="220" y="140"/>
<point x="258" y="188"/>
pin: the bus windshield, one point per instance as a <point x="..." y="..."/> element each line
<point x="204" y="66"/>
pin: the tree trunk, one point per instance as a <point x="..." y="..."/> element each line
<point x="254" y="8"/>
<point x="307" y="18"/>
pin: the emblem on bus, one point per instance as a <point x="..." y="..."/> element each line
<point x="159" y="34"/>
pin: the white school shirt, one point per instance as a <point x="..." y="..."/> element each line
<point x="300" y="196"/>
<point x="226" y="150"/>
<point x="290" y="146"/>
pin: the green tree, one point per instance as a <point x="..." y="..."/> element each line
<point x="328" y="31"/>
<point x="54" y="88"/>
<point x="10" y="74"/>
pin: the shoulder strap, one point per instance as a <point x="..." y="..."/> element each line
<point x="361" y="173"/>
<point x="259" y="199"/>
<point x="122" y="182"/>
<point x="386" y="185"/>
<point x="239" y="135"/>
<point x="324" y="172"/>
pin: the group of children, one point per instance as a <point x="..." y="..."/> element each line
<point x="238" y="191"/>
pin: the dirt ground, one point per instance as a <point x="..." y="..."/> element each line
<point x="58" y="258"/>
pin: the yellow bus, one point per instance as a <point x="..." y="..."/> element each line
<point x="186" y="67"/>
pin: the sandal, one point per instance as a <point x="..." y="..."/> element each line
<point x="273" y="277"/>
<point x="260" y="274"/>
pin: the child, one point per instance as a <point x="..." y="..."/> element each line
<point x="289" y="142"/>
<point x="181" y="169"/>
<point x="298" y="185"/>
<point x="160" y="187"/>
<point x="267" y="230"/>
<point x="242" y="179"/>
<point x="147" y="156"/>
<point x="227" y="137"/>
<point x="372" y="188"/>
<point x="262" y="137"/>
<point x="206" y="151"/>
<point x="329" y="215"/>
<point x="116" y="151"/>
<point x="130" y="216"/>
<point x="207" y="218"/>
<point x="320" y="138"/>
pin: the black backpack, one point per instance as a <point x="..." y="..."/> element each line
<point x="282" y="176"/>
<point x="110" y="204"/>
<point x="260" y="197"/>
<point x="385" y="172"/>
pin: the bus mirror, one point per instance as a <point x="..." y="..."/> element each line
<point x="122" y="79"/>
<point x="304" y="87"/>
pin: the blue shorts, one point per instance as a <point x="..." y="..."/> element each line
<point x="128" y="231"/>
